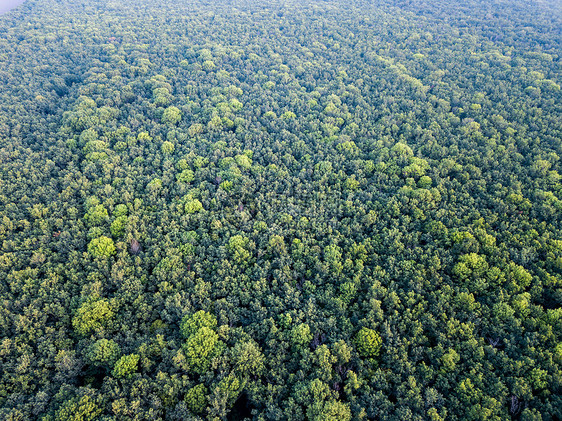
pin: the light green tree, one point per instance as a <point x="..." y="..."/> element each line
<point x="191" y="323"/>
<point x="200" y="348"/>
<point x="92" y="316"/>
<point x="85" y="408"/>
<point x="96" y="215"/>
<point x="193" y="206"/>
<point x="167" y="148"/>
<point x="186" y="176"/>
<point x="237" y="245"/>
<point x="196" y="398"/>
<point x="368" y="343"/>
<point x="301" y="336"/>
<point x="118" y="226"/>
<point x="171" y="115"/>
<point x="126" y="366"/>
<point x="101" y="247"/>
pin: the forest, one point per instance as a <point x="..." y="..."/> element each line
<point x="323" y="210"/>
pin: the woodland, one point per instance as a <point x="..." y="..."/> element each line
<point x="281" y="210"/>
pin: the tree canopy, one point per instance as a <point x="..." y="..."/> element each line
<point x="278" y="210"/>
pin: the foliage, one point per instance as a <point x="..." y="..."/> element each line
<point x="92" y="316"/>
<point x="281" y="210"/>
<point x="368" y="343"/>
<point x="193" y="205"/>
<point x="196" y="398"/>
<point x="126" y="366"/>
<point x="118" y="226"/>
<point x="104" y="351"/>
<point x="247" y="359"/>
<point x="102" y="246"/>
<point x="237" y="245"/>
<point x="79" y="409"/>
<point x="96" y="215"/>
<point x="300" y="335"/>
<point x="191" y="323"/>
<point x="171" y="115"/>
<point x="201" y="348"/>
<point x="186" y="176"/>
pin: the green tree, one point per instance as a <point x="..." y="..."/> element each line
<point x="186" y="176"/>
<point x="167" y="148"/>
<point x="191" y="323"/>
<point x="237" y="245"/>
<point x="92" y="316"/>
<point x="118" y="226"/>
<point x="85" y="408"/>
<point x="450" y="360"/>
<point x="200" y="348"/>
<point x="368" y="343"/>
<point x="126" y="366"/>
<point x="247" y="359"/>
<point x="171" y="115"/>
<point x="193" y="206"/>
<point x="104" y="352"/>
<point x="301" y="335"/>
<point x="96" y="215"/>
<point x="101" y="247"/>
<point x="332" y="410"/>
<point x="196" y="398"/>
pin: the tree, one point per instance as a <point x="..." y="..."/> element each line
<point x="333" y="410"/>
<point x="192" y="323"/>
<point x="171" y="115"/>
<point x="101" y="247"/>
<point x="200" y="348"/>
<point x="247" y="359"/>
<point x="186" y="176"/>
<point x="450" y="359"/>
<point x="104" y="352"/>
<point x="85" y="408"/>
<point x="301" y="336"/>
<point x="92" y="316"/>
<point x="193" y="206"/>
<point x="126" y="366"/>
<point x="96" y="215"/>
<point x="237" y="245"/>
<point x="118" y="226"/>
<point x="368" y="343"/>
<point x="167" y="148"/>
<point x="196" y="398"/>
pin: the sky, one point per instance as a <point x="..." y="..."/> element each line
<point x="6" y="5"/>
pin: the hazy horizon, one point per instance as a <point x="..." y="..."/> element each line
<point x="7" y="5"/>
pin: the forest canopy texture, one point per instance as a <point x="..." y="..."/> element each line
<point x="281" y="210"/>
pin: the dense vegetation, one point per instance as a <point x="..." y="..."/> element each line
<point x="320" y="210"/>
